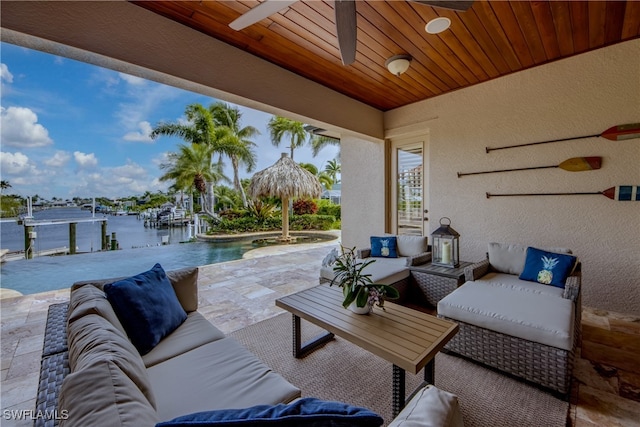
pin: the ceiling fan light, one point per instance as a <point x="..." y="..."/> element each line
<point x="398" y="64"/>
<point x="437" y="25"/>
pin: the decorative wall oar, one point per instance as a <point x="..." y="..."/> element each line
<point x="574" y="164"/>
<point x="615" y="133"/>
<point x="620" y="193"/>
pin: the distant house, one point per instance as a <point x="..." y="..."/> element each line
<point x="334" y="195"/>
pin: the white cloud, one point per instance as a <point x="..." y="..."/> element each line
<point x="5" y="74"/>
<point x="125" y="180"/>
<point x="84" y="160"/>
<point x="59" y="159"/>
<point x="142" y="136"/>
<point x="132" y="80"/>
<point x="20" y="128"/>
<point x="15" y="163"/>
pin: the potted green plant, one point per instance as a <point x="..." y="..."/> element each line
<point x="360" y="293"/>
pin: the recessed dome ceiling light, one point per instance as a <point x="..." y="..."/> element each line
<point x="437" y="25"/>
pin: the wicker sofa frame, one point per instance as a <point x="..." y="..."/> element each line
<point x="54" y="366"/>
<point x="546" y="366"/>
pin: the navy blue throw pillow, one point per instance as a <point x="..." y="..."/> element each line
<point x="307" y="412"/>
<point x="547" y="268"/>
<point x="385" y="247"/>
<point x="147" y="307"/>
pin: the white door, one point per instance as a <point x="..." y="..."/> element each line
<point x="409" y="210"/>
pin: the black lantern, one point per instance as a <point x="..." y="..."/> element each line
<point x="445" y="246"/>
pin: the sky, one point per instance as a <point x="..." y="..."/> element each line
<point x="73" y="129"/>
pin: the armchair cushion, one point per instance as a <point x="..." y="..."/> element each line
<point x="385" y="246"/>
<point x="411" y="245"/>
<point x="510" y="258"/>
<point x="547" y="268"/>
<point x="505" y="304"/>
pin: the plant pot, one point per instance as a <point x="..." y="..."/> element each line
<point x="360" y="310"/>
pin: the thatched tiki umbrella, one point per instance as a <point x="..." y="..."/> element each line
<point x="285" y="180"/>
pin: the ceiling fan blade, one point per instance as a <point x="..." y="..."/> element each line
<point x="459" y="6"/>
<point x="260" y="12"/>
<point x="346" y="29"/>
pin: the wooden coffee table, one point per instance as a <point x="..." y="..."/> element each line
<point x="407" y="338"/>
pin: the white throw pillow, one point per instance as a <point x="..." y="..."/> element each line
<point x="430" y="407"/>
<point x="411" y="245"/>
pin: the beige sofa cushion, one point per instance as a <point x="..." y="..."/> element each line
<point x="93" y="339"/>
<point x="510" y="258"/>
<point x="185" y="284"/>
<point x="430" y="407"/>
<point x="505" y="304"/>
<point x="227" y="374"/>
<point x="411" y="245"/>
<point x="102" y="394"/>
<point x="194" y="332"/>
<point x="91" y="300"/>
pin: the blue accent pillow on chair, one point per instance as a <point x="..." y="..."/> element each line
<point x="385" y="247"/>
<point x="547" y="268"/>
<point x="147" y="307"/>
<point x="307" y="412"/>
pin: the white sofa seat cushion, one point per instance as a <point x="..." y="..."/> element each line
<point x="227" y="375"/>
<point x="430" y="407"/>
<point x="385" y="271"/>
<point x="525" y="310"/>
<point x="194" y="332"/>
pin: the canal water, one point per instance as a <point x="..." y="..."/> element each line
<point x="130" y="231"/>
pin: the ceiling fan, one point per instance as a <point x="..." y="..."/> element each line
<point x="345" y="11"/>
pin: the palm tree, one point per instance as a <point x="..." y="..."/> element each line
<point x="4" y="184"/>
<point x="200" y="129"/>
<point x="280" y="127"/>
<point x="333" y="169"/>
<point x="325" y="179"/>
<point x="318" y="142"/>
<point x="234" y="141"/>
<point x="191" y="168"/>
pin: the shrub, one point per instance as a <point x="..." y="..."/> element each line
<point x="325" y="207"/>
<point x="311" y="222"/>
<point x="304" y="207"/>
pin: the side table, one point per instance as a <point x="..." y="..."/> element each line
<point x="436" y="282"/>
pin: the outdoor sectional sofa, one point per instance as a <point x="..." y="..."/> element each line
<point x="104" y="380"/>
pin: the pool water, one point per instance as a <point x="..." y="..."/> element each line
<point x="58" y="272"/>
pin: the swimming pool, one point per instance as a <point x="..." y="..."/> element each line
<point x="58" y="272"/>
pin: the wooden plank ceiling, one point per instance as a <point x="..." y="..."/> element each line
<point x="491" y="39"/>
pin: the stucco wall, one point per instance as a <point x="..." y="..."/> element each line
<point x="362" y="190"/>
<point x="582" y="95"/>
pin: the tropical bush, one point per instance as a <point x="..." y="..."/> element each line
<point x="311" y="222"/>
<point x="304" y="207"/>
<point x="325" y="207"/>
<point x="261" y="209"/>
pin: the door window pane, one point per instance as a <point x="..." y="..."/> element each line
<point x="409" y="191"/>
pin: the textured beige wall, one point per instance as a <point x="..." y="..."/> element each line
<point x="582" y="95"/>
<point x="362" y="190"/>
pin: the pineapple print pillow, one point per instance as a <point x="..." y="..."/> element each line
<point x="385" y="247"/>
<point x="547" y="268"/>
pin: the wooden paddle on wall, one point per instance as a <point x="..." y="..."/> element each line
<point x="574" y="164"/>
<point x="614" y="133"/>
<point x="619" y="193"/>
